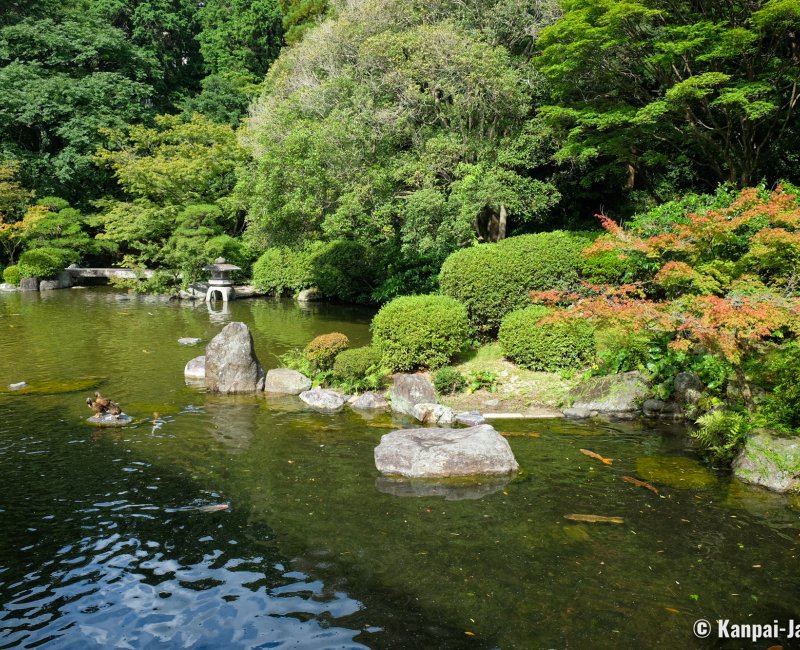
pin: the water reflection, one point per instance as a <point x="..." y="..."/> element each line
<point x="460" y="490"/>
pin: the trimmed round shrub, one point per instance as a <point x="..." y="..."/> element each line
<point x="420" y="331"/>
<point x="492" y="280"/>
<point x="11" y="274"/>
<point x="283" y="270"/>
<point x="45" y="263"/>
<point x="353" y="365"/>
<point x="322" y="350"/>
<point x="448" y="380"/>
<point x="552" y="345"/>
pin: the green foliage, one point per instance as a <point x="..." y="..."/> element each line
<point x="722" y="434"/>
<point x="420" y="331"/>
<point x="622" y="349"/>
<point x="44" y="263"/>
<point x="359" y="370"/>
<point x="781" y="408"/>
<point x="296" y="359"/>
<point x="282" y="270"/>
<point x="495" y="279"/>
<point x="321" y="352"/>
<point x="11" y="274"/>
<point x="223" y="98"/>
<point x="478" y="379"/>
<point x="342" y="270"/>
<point x="552" y="345"/>
<point x="448" y="380"/>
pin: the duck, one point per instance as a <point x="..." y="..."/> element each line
<point x="102" y="401"/>
<point x="114" y="409"/>
<point x="96" y="407"/>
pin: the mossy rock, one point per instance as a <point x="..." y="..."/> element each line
<point x="674" y="471"/>
<point x="58" y="386"/>
<point x="770" y="461"/>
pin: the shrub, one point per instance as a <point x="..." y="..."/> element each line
<point x="322" y="351"/>
<point x="11" y="274"/>
<point x="281" y="270"/>
<point x="420" y="331"/>
<point x="351" y="365"/>
<point x="45" y="263"/>
<point x="622" y="348"/>
<point x="551" y="345"/>
<point x="722" y="434"/>
<point x="448" y="380"/>
<point x="492" y="280"/>
<point x="781" y="408"/>
<point x="341" y="270"/>
<point x="235" y="251"/>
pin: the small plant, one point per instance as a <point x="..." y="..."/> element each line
<point x="359" y="369"/>
<point x="11" y="274"/>
<point x="481" y="379"/>
<point x="448" y="380"/>
<point x="722" y="434"/>
<point x="322" y="351"/>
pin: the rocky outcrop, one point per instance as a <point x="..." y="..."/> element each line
<point x="470" y="418"/>
<point x="310" y="295"/>
<point x="409" y="390"/>
<point x="770" y="461"/>
<point x="441" y="453"/>
<point x="321" y="399"/>
<point x="433" y="413"/>
<point x="656" y="408"/>
<point x="615" y="395"/>
<point x="29" y="284"/>
<point x="286" y="381"/>
<point x="231" y="362"/>
<point x="49" y="285"/>
<point x="195" y="369"/>
<point x="369" y="401"/>
<point x="688" y="389"/>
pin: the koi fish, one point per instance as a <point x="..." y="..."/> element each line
<point x="591" y="454"/>
<point x="638" y="483"/>
<point x="595" y="519"/>
<point x="214" y="507"/>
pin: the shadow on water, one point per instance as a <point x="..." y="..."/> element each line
<point x="247" y="521"/>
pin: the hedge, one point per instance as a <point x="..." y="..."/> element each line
<point x="44" y="263"/>
<point x="420" y="331"/>
<point x="353" y="365"/>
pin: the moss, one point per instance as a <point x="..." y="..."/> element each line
<point x="674" y="471"/>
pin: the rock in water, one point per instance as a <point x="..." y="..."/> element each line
<point x="408" y="391"/>
<point x="18" y="386"/>
<point x="440" y="453"/>
<point x="369" y="400"/>
<point x="616" y="395"/>
<point x="323" y="400"/>
<point x="29" y="284"/>
<point x="231" y="362"/>
<point x="195" y="368"/>
<point x="286" y="381"/>
<point x="470" y="418"/>
<point x="433" y="413"/>
<point x="189" y="340"/>
<point x="770" y="461"/>
<point x="108" y="420"/>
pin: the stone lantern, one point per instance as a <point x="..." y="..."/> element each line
<point x="220" y="281"/>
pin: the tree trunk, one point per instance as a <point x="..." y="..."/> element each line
<point x="501" y="227"/>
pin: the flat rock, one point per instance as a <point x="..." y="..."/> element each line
<point x="470" y="418"/>
<point x="433" y="413"/>
<point x="656" y="408"/>
<point x="617" y="395"/>
<point x="443" y="452"/>
<point x="323" y="400"/>
<point x="368" y="401"/>
<point x="107" y="420"/>
<point x="286" y="381"/>
<point x="49" y="285"/>
<point x="770" y="461"/>
<point x="189" y="340"/>
<point x="409" y="390"/>
<point x="310" y="295"/>
<point x="18" y="386"/>
<point x="195" y="368"/>
<point x="5" y="286"/>
<point x="231" y="362"/>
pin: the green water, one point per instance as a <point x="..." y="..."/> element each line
<point x="106" y="539"/>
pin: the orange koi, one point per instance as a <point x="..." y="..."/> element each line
<point x="638" y="483"/>
<point x="591" y="454"/>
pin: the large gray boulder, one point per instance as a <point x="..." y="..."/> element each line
<point x="195" y="369"/>
<point x="616" y="395"/>
<point x="433" y="413"/>
<point x="688" y="388"/>
<point x="231" y="362"/>
<point x="310" y="295"/>
<point x="369" y="401"/>
<point x="29" y="284"/>
<point x="656" y="408"/>
<point x="770" y="461"/>
<point x="49" y="285"/>
<point x="286" y="381"/>
<point x="440" y="453"/>
<point x="409" y="390"/>
<point x="321" y="399"/>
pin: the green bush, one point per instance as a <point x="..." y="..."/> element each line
<point x="11" y="274"/>
<point x="235" y="251"/>
<point x="283" y="270"/>
<point x="322" y="351"/>
<point x="448" y="380"/>
<point x="550" y="346"/>
<point x="45" y="263"/>
<point x="353" y="366"/>
<point x="342" y="271"/>
<point x="492" y="280"/>
<point x="420" y="331"/>
<point x="781" y="408"/>
<point x="620" y="349"/>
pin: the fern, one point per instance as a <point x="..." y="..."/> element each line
<point x="722" y="434"/>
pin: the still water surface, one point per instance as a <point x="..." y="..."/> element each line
<point x="111" y="538"/>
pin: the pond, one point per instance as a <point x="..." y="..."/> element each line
<point x="250" y="522"/>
